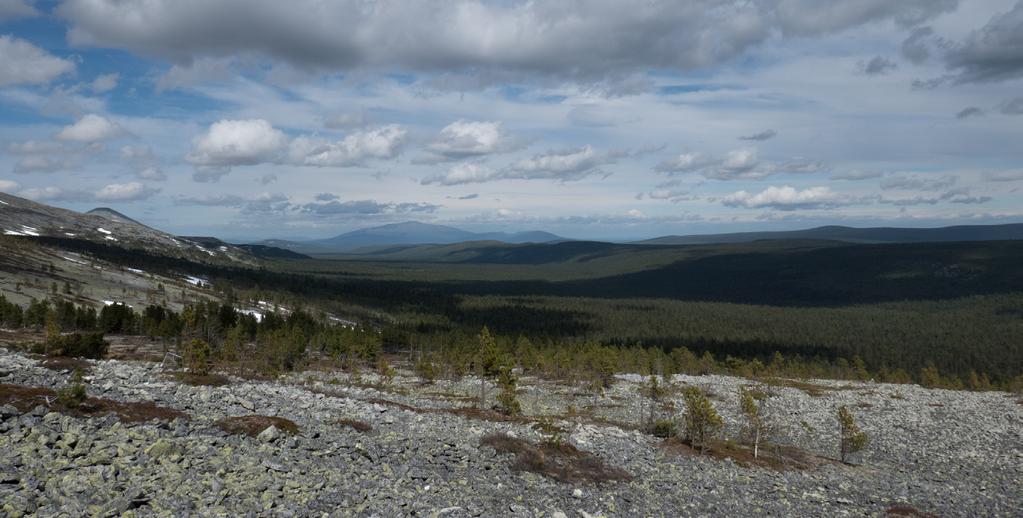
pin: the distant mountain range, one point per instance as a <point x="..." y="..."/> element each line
<point x="407" y="233"/>
<point x="1012" y="231"/>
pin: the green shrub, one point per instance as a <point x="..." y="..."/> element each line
<point x="701" y="419"/>
<point x="664" y="428"/>
<point x="78" y="345"/>
<point x="851" y="438"/>
<point x="196" y="357"/>
<point x="73" y="395"/>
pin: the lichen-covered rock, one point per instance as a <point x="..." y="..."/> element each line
<point x="943" y="452"/>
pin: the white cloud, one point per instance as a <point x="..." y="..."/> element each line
<point x="564" y="165"/>
<point x="56" y="194"/>
<point x="152" y="173"/>
<point x="42" y="164"/>
<point x="786" y="198"/>
<point x="24" y="63"/>
<point x="465" y="139"/>
<point x="105" y="83"/>
<point x="738" y="164"/>
<point x="131" y="191"/>
<point x="90" y="128"/>
<point x="9" y="186"/>
<point x="237" y="142"/>
<point x="378" y="143"/>
<point x="1004" y="176"/>
<point x="569" y="164"/>
<point x="463" y="173"/>
<point x="137" y="154"/>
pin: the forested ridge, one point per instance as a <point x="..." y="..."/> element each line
<point x="956" y="307"/>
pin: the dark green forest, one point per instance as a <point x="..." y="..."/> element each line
<point x="952" y="307"/>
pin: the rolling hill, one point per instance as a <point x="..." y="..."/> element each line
<point x="1004" y="232"/>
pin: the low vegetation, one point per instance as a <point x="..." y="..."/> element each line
<point x="557" y="460"/>
<point x="253" y="425"/>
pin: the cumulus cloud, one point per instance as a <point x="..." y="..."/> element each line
<point x="42" y="164"/>
<point x="137" y="154"/>
<point x="379" y="143"/>
<point x="24" y="63"/>
<point x="131" y="191"/>
<point x="365" y="208"/>
<point x="105" y="83"/>
<point x="90" y="128"/>
<point x="237" y="142"/>
<point x="468" y="139"/>
<point x="918" y="182"/>
<point x="230" y="143"/>
<point x="152" y="173"/>
<point x="11" y="9"/>
<point x="786" y="198"/>
<point x="463" y="173"/>
<point x="738" y="164"/>
<point x="568" y="164"/>
<point x="877" y="66"/>
<point x="487" y="39"/>
<point x="761" y="136"/>
<point x="9" y="186"/>
<point x="560" y="165"/>
<point x="56" y="194"/>
<point x="992" y="53"/>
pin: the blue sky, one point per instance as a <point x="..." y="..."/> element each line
<point x="592" y="119"/>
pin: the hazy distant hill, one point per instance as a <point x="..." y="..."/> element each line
<point x="1010" y="231"/>
<point x="408" y="233"/>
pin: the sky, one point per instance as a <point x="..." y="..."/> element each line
<point x="597" y="119"/>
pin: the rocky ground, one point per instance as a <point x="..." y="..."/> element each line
<point x="947" y="453"/>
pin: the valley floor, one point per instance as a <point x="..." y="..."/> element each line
<point x="942" y="452"/>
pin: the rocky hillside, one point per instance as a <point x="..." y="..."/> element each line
<point x="409" y="449"/>
<point x="21" y="217"/>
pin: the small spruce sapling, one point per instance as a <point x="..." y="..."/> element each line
<point x="73" y="395"/>
<point x="488" y="362"/>
<point x="197" y="355"/>
<point x="507" y="398"/>
<point x="851" y="439"/>
<point x="702" y="421"/>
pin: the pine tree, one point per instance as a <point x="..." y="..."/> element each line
<point x="488" y="362"/>
<point x="702" y="421"/>
<point x="851" y="438"/>
<point x="507" y="398"/>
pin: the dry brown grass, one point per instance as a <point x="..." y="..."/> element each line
<point x="905" y="510"/>
<point x="811" y="389"/>
<point x="253" y="425"/>
<point x="781" y="458"/>
<point x="355" y="424"/>
<point x="559" y="461"/>
<point x="25" y="398"/>
<point x="201" y="380"/>
<point x="63" y="363"/>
